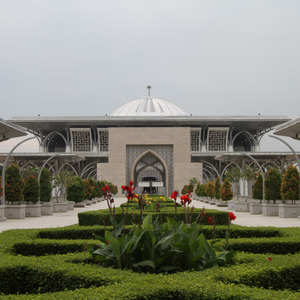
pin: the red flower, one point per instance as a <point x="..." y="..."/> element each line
<point x="209" y="220"/>
<point x="131" y="183"/>
<point x="174" y="195"/>
<point x="185" y="199"/>
<point x="107" y="187"/>
<point x="269" y="259"/>
<point x="103" y="189"/>
<point x="231" y="216"/>
<point x="124" y="188"/>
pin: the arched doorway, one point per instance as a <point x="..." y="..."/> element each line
<point x="150" y="175"/>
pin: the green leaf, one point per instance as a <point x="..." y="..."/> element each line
<point x="145" y="263"/>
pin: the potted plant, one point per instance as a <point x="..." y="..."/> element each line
<point x="226" y="194"/>
<point x="31" y="196"/>
<point x="210" y="190"/>
<point x="75" y="192"/>
<point x="46" y="193"/>
<point x="14" y="186"/>
<point x="88" y="191"/>
<point x="272" y="193"/>
<point x="256" y="207"/>
<point x="290" y="192"/>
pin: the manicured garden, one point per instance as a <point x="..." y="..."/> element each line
<point x="58" y="264"/>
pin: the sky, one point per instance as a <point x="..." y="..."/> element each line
<point x="88" y="57"/>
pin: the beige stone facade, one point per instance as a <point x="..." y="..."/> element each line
<point x="178" y="137"/>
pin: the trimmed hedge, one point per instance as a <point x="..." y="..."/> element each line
<point x="58" y="273"/>
<point x="102" y="217"/>
<point x="87" y="232"/>
<point x="40" y="247"/>
<point x="266" y="245"/>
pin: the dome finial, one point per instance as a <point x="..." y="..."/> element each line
<point x="149" y="88"/>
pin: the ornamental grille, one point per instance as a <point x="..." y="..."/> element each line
<point x="103" y="140"/>
<point x="217" y="140"/>
<point x="195" y="140"/>
<point x="81" y="141"/>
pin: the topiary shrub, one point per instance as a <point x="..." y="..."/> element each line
<point x="93" y="184"/>
<point x="88" y="189"/>
<point x="186" y="189"/>
<point x="273" y="185"/>
<point x="31" y="189"/>
<point x="45" y="186"/>
<point x="210" y="189"/>
<point x="257" y="187"/>
<point x="217" y="188"/>
<point x="14" y="184"/>
<point x="290" y="184"/>
<point x="226" y="191"/>
<point x="76" y="190"/>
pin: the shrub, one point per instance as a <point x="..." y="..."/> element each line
<point x="186" y="189"/>
<point x="217" y="188"/>
<point x="290" y="184"/>
<point x="272" y="185"/>
<point x="45" y="186"/>
<point x="226" y="191"/>
<point x="76" y="191"/>
<point x="88" y="189"/>
<point x="257" y="187"/>
<point x="93" y="185"/>
<point x="14" y="184"/>
<point x="210" y="189"/>
<point x="31" y="189"/>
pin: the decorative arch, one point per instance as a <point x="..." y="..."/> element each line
<point x="163" y="173"/>
<point x="226" y="167"/>
<point x="69" y="166"/>
<point x="48" y="138"/>
<point x="251" y="139"/>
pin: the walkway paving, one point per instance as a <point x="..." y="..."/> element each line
<point x="70" y="218"/>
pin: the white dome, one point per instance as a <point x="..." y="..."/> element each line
<point x="149" y="106"/>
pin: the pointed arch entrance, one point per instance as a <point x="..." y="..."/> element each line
<point x="150" y="173"/>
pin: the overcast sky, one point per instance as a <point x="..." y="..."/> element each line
<point x="88" y="57"/>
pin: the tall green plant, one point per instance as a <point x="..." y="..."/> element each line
<point x="210" y="189"/>
<point x="257" y="189"/>
<point x="60" y="182"/>
<point x="155" y="248"/>
<point x="31" y="189"/>
<point x="14" y="184"/>
<point x="45" y="186"/>
<point x="273" y="185"/>
<point x="217" y="188"/>
<point x="290" y="184"/>
<point x="234" y="175"/>
<point x="75" y="191"/>
<point x="226" y="190"/>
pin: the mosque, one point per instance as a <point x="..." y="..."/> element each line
<point x="151" y="141"/>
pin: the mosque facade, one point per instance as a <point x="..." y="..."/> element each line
<point x="151" y="141"/>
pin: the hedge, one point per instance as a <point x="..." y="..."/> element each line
<point x="87" y="232"/>
<point x="102" y="217"/>
<point x="58" y="273"/>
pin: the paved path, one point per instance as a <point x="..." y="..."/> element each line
<point x="70" y="218"/>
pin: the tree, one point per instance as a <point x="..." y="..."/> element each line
<point x="290" y="184"/>
<point x="257" y="189"/>
<point x="14" y="184"/>
<point x="31" y="189"/>
<point x="60" y="181"/>
<point x="273" y="185"/>
<point x="226" y="190"/>
<point x="193" y="182"/>
<point x="234" y="175"/>
<point x="217" y="188"/>
<point x="210" y="189"/>
<point x="45" y="186"/>
<point x="76" y="191"/>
